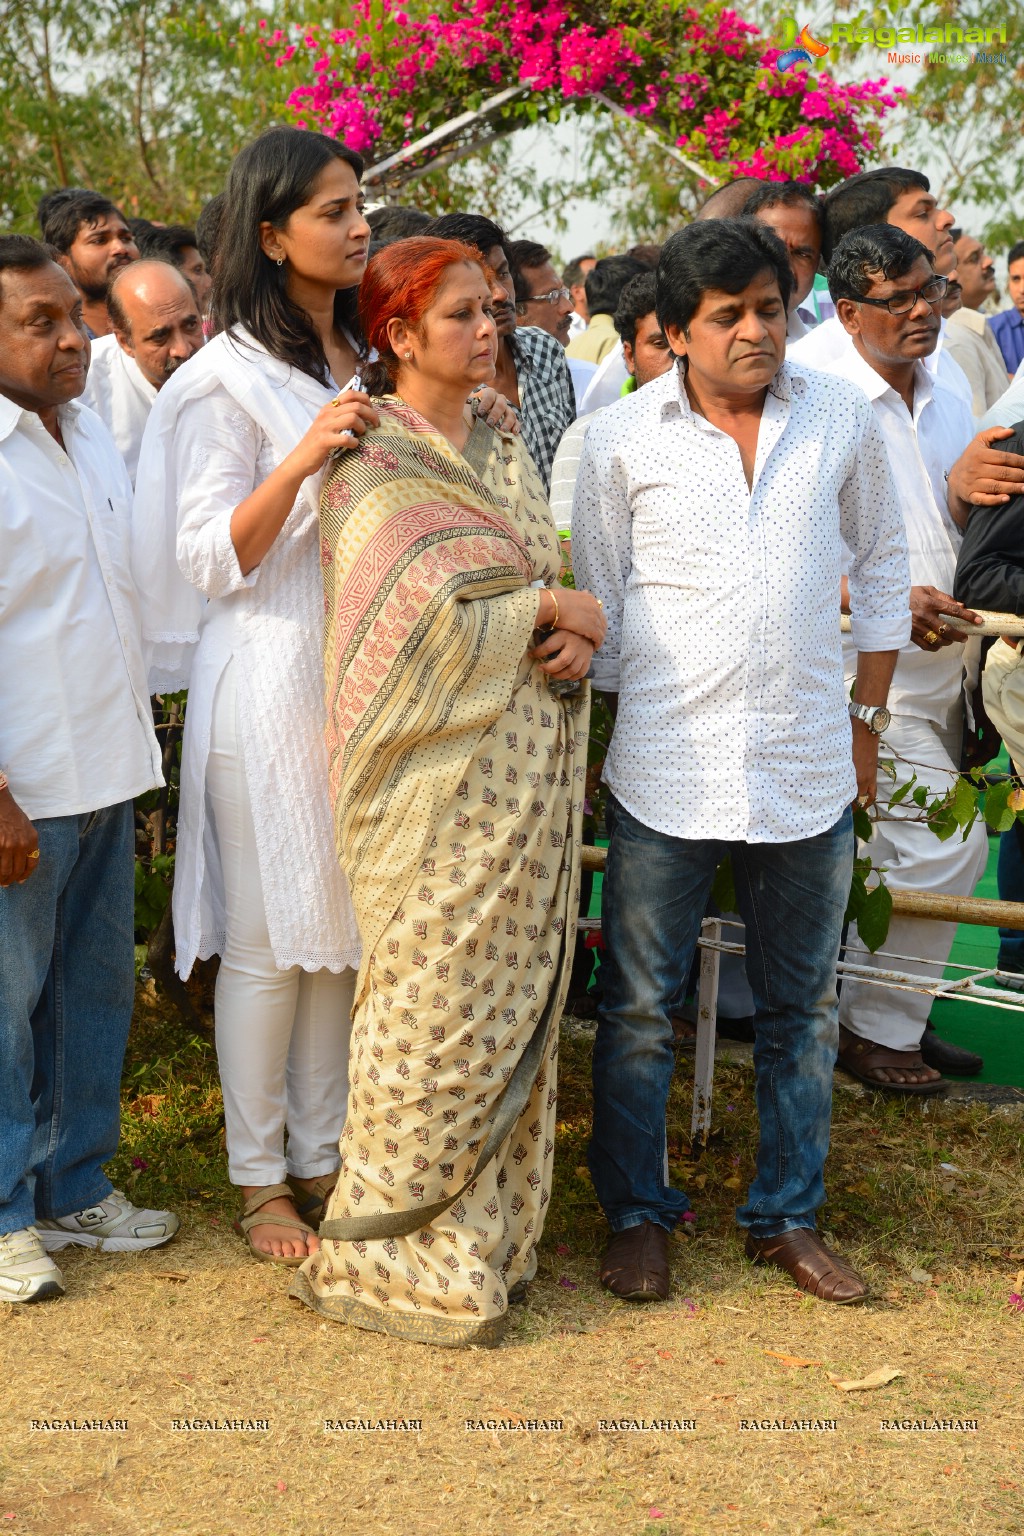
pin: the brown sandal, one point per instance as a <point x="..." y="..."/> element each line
<point x="311" y="1200"/>
<point x="862" y="1057"/>
<point x="815" y="1269"/>
<point x="249" y="1217"/>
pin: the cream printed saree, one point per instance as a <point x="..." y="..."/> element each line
<point x="457" y="779"/>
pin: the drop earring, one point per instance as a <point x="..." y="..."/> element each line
<point x="280" y="261"/>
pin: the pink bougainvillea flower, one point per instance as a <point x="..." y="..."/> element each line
<point x="701" y="76"/>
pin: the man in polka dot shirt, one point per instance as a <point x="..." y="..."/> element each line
<point x="710" y="515"/>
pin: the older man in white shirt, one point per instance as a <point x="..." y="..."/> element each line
<point x="903" y="198"/>
<point x="711" y="511"/>
<point x="888" y="297"/>
<point x="157" y="327"/>
<point x="76" y="746"/>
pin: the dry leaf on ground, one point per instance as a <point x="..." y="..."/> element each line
<point x="879" y="1378"/>
<point x="793" y="1360"/>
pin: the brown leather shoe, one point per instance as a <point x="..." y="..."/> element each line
<point x="814" y="1268"/>
<point x="635" y="1263"/>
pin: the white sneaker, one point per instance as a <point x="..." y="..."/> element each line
<point x="27" y="1273"/>
<point x="113" y="1226"/>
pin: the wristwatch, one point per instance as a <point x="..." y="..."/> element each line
<point x="874" y="716"/>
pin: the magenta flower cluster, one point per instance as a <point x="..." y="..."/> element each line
<point x="697" y="72"/>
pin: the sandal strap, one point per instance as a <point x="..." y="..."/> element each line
<point x="270" y="1218"/>
<point x="312" y="1202"/>
<point x="865" y="1052"/>
<point x="262" y="1196"/>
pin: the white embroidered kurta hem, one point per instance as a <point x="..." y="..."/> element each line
<point x="234" y="414"/>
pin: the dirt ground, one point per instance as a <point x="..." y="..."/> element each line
<point x="926" y="1202"/>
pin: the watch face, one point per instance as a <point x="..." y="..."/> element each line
<point x="880" y="721"/>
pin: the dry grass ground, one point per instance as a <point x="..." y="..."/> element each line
<point x="198" y="1330"/>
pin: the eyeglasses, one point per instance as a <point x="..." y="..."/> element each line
<point x="902" y="303"/>
<point x="549" y="298"/>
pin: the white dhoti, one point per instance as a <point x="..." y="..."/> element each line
<point x="914" y="860"/>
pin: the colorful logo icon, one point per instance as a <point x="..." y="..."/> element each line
<point x="798" y="50"/>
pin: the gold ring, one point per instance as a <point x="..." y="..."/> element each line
<point x="862" y="800"/>
<point x="34" y="854"/>
<point x="599" y="603"/>
<point x="931" y="637"/>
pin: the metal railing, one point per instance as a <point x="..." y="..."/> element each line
<point x="969" y="986"/>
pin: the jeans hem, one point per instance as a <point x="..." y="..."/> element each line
<point x="82" y="1205"/>
<point x="637" y="1219"/>
<point x="6" y="1229"/>
<point x="762" y="1230"/>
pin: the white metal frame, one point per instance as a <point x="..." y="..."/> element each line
<point x="713" y="944"/>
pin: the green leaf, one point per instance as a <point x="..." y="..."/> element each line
<point x="997" y="811"/>
<point x="862" y="825"/>
<point x="965" y="803"/>
<point x="858" y="893"/>
<point x="902" y="791"/>
<point x="942" y="822"/>
<point x="874" y="918"/>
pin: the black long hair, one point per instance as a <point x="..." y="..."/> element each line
<point x="269" y="179"/>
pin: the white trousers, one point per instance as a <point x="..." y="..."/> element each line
<point x="914" y="860"/>
<point x="1002" y="687"/>
<point x="282" y="1036"/>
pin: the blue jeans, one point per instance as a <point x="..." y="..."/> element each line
<point x="67" y="985"/>
<point x="1010" y="880"/>
<point x="792" y="897"/>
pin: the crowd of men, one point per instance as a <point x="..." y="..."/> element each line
<point x="903" y="389"/>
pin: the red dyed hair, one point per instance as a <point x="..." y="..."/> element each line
<point x="401" y="282"/>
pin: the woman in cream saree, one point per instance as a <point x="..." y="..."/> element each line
<point x="457" y="777"/>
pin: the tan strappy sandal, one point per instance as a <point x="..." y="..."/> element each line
<point x="249" y="1217"/>
<point x="311" y="1201"/>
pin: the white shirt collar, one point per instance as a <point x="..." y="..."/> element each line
<point x="668" y="397"/>
<point x="853" y="366"/>
<point x="11" y="414"/>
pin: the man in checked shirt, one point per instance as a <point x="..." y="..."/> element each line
<point x="710" y="514"/>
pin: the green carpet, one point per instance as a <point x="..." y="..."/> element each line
<point x="996" y="1035"/>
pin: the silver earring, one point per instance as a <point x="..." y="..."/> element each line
<point x="408" y="357"/>
<point x="280" y="261"/>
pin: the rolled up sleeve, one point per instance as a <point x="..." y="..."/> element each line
<point x="872" y="529"/>
<point x="602" y="544"/>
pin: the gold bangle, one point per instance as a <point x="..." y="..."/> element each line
<point x="554" y="599"/>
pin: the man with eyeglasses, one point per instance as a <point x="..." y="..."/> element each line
<point x="541" y="297"/>
<point x="889" y="194"/>
<point x="888" y="298"/>
<point x="543" y="303"/>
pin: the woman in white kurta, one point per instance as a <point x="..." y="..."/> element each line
<point x="233" y="456"/>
